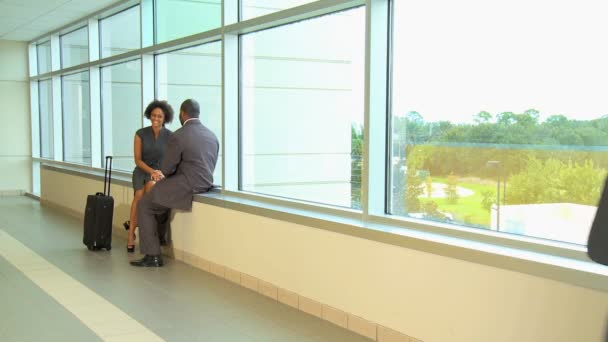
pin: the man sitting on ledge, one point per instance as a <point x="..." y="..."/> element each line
<point x="187" y="169"/>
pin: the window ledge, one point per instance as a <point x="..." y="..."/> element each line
<point x="573" y="271"/>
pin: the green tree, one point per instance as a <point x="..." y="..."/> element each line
<point x="356" y="165"/>
<point x="413" y="191"/>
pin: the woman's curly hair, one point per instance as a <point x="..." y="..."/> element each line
<point x="164" y="106"/>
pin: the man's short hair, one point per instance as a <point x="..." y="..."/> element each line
<point x="191" y="108"/>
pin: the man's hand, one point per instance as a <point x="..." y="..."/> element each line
<point x="157" y="175"/>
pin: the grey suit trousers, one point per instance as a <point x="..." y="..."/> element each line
<point x="147" y="211"/>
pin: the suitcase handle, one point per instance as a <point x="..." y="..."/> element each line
<point x="107" y="177"/>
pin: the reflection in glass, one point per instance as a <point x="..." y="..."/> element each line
<point x="302" y="109"/>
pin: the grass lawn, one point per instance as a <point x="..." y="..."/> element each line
<point x="467" y="209"/>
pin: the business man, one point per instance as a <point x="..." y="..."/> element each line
<point x="187" y="169"/>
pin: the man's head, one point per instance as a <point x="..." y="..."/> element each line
<point x="189" y="110"/>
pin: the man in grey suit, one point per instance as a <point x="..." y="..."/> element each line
<point x="187" y="169"/>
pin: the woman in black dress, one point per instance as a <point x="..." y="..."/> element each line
<point x="149" y="150"/>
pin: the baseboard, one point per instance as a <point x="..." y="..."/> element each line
<point x="354" y="323"/>
<point x="32" y="196"/>
<point x="8" y="193"/>
<point x="323" y="311"/>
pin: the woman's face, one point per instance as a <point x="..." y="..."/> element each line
<point x="157" y="117"/>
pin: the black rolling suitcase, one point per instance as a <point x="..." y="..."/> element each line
<point x="98" y="215"/>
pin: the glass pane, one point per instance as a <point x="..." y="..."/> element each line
<point x="76" y="118"/>
<point x="181" y="18"/>
<point x="302" y="109"/>
<point x="500" y="126"/>
<point x="75" y="48"/>
<point x="120" y="32"/>
<point x="45" y="102"/>
<point x="255" y="8"/>
<point x="121" y="111"/>
<point x="43" y="51"/>
<point x="194" y="73"/>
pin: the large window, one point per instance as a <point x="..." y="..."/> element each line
<point x="255" y="8"/>
<point x="43" y="50"/>
<point x="180" y="18"/>
<point x="75" y="48"/>
<point x="302" y="109"/>
<point x="45" y="105"/>
<point x="121" y="111"/>
<point x="76" y="118"/>
<point x="120" y="32"/>
<point x="194" y="73"/>
<point x="499" y="125"/>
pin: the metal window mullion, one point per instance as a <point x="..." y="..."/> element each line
<point x="57" y="118"/>
<point x="147" y="22"/>
<point x="32" y="57"/>
<point x="35" y="118"/>
<point x="95" y="112"/>
<point x="376" y="103"/>
<point x="93" y="32"/>
<point x="230" y="12"/>
<point x="55" y="52"/>
<point x="95" y="94"/>
<point x="147" y="83"/>
<point x="230" y="113"/>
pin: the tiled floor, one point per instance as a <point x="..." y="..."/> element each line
<point x="176" y="302"/>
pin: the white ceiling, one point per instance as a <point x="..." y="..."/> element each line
<point x="27" y="19"/>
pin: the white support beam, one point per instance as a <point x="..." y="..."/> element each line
<point x="147" y="83"/>
<point x="57" y="119"/>
<point x="93" y="39"/>
<point x="55" y="53"/>
<point x="35" y="118"/>
<point x="146" y="19"/>
<point x="95" y="98"/>
<point x="230" y="113"/>
<point x="32" y="59"/>
<point x="374" y="180"/>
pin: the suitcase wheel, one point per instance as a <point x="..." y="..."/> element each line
<point x="108" y="248"/>
<point x="90" y="247"/>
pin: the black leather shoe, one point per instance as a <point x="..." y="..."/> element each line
<point x="130" y="248"/>
<point x="149" y="261"/>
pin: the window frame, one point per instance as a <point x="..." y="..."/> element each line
<point x="375" y="198"/>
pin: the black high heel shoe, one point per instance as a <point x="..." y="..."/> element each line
<point x="130" y="248"/>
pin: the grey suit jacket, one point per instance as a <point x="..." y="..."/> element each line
<point x="188" y="166"/>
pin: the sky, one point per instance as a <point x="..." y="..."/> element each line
<point x="453" y="59"/>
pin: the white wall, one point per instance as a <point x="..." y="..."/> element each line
<point x="15" y="146"/>
<point x="430" y="297"/>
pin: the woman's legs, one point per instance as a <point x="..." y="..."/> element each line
<point x="133" y="223"/>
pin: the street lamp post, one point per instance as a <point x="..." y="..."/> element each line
<point x="496" y="163"/>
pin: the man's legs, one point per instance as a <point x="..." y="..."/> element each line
<point x="148" y="233"/>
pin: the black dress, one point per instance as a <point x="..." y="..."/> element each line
<point x="153" y="151"/>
